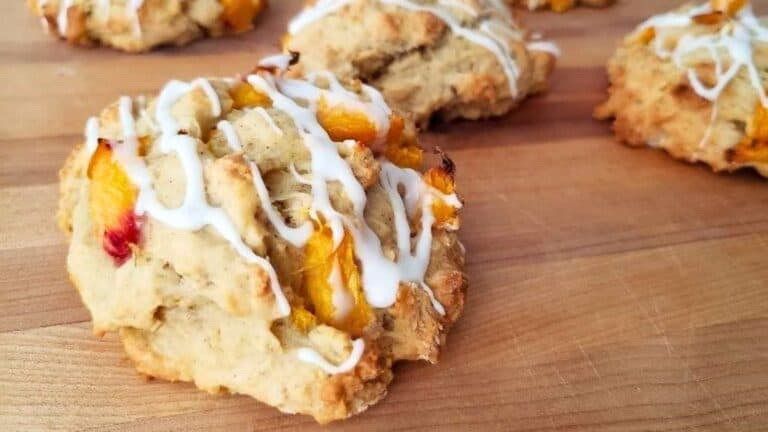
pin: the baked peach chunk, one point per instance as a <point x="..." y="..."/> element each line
<point x="729" y="7"/>
<point x="646" y="36"/>
<point x="303" y="319"/>
<point x="722" y="10"/>
<point x="562" y="5"/>
<point x="332" y="283"/>
<point x="445" y="213"/>
<point x="112" y="199"/>
<point x="342" y="123"/>
<point x="754" y="146"/>
<point x="239" y="14"/>
<point x="245" y="96"/>
<point x="400" y="149"/>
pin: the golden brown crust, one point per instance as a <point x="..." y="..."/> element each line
<point x="338" y="397"/>
<point x="417" y="61"/>
<point x="69" y="177"/>
<point x="652" y="102"/>
<point x="188" y="307"/>
<point x="412" y="327"/>
<point x="155" y="23"/>
<point x="446" y="275"/>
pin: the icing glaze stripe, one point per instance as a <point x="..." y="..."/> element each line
<point x="296" y="236"/>
<point x="735" y="39"/>
<point x="381" y="275"/>
<point x="230" y="134"/>
<point x="131" y="7"/>
<point x="267" y="118"/>
<point x="486" y="39"/>
<point x="194" y="213"/>
<point x="311" y="356"/>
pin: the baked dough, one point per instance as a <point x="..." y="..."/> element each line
<point x="691" y="82"/>
<point x="266" y="236"/>
<point x="140" y="25"/>
<point x="560" y="5"/>
<point x="445" y="59"/>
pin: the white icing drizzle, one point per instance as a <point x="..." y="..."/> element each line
<point x="267" y="118"/>
<point x="132" y="10"/>
<point x="132" y="7"/>
<point x="545" y="46"/>
<point x="535" y="4"/>
<point x="194" y="213"/>
<point x="62" y="19"/>
<point x="327" y="165"/>
<point x="91" y="136"/>
<point x="381" y="276"/>
<point x="106" y="7"/>
<point x="311" y="356"/>
<point x="230" y="134"/>
<point x="296" y="236"/>
<point x="508" y="28"/>
<point x="500" y="7"/>
<point x="485" y="38"/>
<point x="342" y="301"/>
<point x="460" y="5"/>
<point x="735" y="39"/>
<point x="482" y="38"/>
<point x="313" y="13"/>
<point x="708" y="132"/>
<point x="413" y="266"/>
<point x="299" y="178"/>
<point x="279" y="61"/>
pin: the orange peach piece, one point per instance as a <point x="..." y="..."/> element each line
<point x="711" y="18"/>
<point x="112" y="198"/>
<point x="343" y="124"/>
<point x="754" y="146"/>
<point x="646" y="36"/>
<point x="400" y="153"/>
<point x="561" y="5"/>
<point x="239" y="14"/>
<point x="729" y="7"/>
<point x="245" y="96"/>
<point x="319" y="260"/>
<point x="303" y="319"/>
<point x="444" y="213"/>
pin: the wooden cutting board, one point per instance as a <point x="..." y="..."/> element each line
<point x="611" y="288"/>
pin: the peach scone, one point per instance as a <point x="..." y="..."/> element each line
<point x="265" y="236"/>
<point x="140" y="25"/>
<point x="560" y="5"/>
<point x="692" y="82"/>
<point x="443" y="59"/>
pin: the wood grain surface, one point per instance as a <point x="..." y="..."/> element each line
<point x="611" y="289"/>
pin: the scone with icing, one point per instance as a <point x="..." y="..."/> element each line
<point x="140" y="25"/>
<point x="691" y="82"/>
<point x="443" y="59"/>
<point x="265" y="236"/>
<point x="560" y="5"/>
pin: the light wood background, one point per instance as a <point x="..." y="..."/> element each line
<point x="611" y="288"/>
